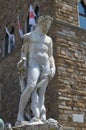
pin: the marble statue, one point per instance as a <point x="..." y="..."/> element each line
<point x="1" y="124"/>
<point x="37" y="66"/>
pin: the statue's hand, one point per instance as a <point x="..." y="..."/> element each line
<point x="22" y="69"/>
<point x="52" y="73"/>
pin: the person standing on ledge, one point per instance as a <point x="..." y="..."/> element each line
<point x="37" y="57"/>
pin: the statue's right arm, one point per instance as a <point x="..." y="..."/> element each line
<point x="24" y="51"/>
<point x="22" y="64"/>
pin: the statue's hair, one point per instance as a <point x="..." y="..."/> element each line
<point x="43" y="18"/>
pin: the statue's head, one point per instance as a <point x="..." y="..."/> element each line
<point x="1" y="124"/>
<point x="44" y="22"/>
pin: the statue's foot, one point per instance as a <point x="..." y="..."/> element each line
<point x="43" y="114"/>
<point x="18" y="123"/>
<point x="20" y="120"/>
<point x="52" y="121"/>
<point x="43" y="120"/>
<point x="20" y="117"/>
<point x="35" y="120"/>
<point x="21" y="123"/>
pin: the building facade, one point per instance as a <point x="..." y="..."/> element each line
<point x="66" y="93"/>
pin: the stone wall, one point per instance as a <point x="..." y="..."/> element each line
<point x="10" y="90"/>
<point x="9" y="11"/>
<point x="67" y="11"/>
<point x="58" y="9"/>
<point x="70" y="54"/>
<point x="64" y="10"/>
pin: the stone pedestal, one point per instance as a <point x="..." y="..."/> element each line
<point x="45" y="126"/>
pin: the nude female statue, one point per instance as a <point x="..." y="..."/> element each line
<point x="37" y="56"/>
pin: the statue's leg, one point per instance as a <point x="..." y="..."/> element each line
<point x="28" y="113"/>
<point x="41" y="92"/>
<point x="35" y="104"/>
<point x="27" y="109"/>
<point x="32" y="78"/>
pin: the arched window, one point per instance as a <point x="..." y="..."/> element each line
<point x="27" y="24"/>
<point x="6" y="45"/>
<point x="37" y="11"/>
<point x="82" y="14"/>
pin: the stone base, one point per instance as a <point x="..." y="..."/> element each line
<point x="44" y="126"/>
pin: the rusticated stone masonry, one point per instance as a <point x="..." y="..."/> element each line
<point x="67" y="11"/>
<point x="70" y="54"/>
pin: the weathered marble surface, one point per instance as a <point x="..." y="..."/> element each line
<point x="36" y="68"/>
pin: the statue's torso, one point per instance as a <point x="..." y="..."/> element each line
<point x="39" y="48"/>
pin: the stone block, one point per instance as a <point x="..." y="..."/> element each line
<point x="45" y="126"/>
<point x="78" y="118"/>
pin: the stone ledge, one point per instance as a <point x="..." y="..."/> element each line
<point x="45" y="126"/>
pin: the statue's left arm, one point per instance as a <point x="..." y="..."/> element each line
<point x="52" y="61"/>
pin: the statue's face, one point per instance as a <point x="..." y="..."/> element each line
<point x="45" y="25"/>
<point x="44" y="22"/>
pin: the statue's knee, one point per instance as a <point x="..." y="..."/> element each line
<point x="31" y="86"/>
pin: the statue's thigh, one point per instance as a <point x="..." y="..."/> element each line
<point x="45" y="71"/>
<point x="33" y="73"/>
